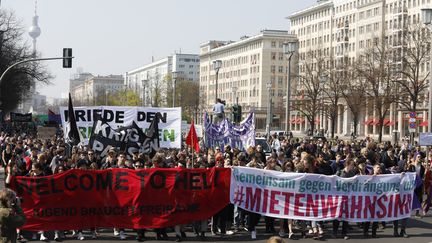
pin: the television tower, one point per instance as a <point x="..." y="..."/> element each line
<point x="34" y="30"/>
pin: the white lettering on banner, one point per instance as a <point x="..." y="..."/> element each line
<point x="119" y="116"/>
<point x="318" y="197"/>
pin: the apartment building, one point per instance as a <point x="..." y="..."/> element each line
<point x="153" y="76"/>
<point x="342" y="29"/>
<point x="248" y="65"/>
<point x="95" y="89"/>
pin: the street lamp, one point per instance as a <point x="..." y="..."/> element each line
<point x="234" y="103"/>
<point x="106" y="97"/>
<point x="125" y="99"/>
<point x="234" y="98"/>
<point x="427" y="20"/>
<point x="217" y="64"/>
<point x="323" y="80"/>
<point x="269" y="85"/>
<point x="289" y="49"/>
<point x="144" y="83"/>
<point x="174" y="78"/>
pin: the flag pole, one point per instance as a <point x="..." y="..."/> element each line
<point x="192" y="150"/>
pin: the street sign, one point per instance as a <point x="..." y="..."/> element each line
<point x="412" y="122"/>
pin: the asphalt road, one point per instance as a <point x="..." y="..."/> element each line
<point x="419" y="230"/>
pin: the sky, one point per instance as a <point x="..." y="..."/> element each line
<point x="116" y="36"/>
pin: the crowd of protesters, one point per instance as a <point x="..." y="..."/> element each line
<point x="22" y="153"/>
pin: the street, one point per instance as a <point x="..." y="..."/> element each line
<point x="419" y="230"/>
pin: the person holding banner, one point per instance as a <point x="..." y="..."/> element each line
<point x="377" y="170"/>
<point x="253" y="218"/>
<point x="140" y="232"/>
<point x="309" y="164"/>
<point x="269" y="221"/>
<point x="419" y="169"/>
<point x="219" y="220"/>
<point x="159" y="162"/>
<point x="402" y="222"/>
<point x="58" y="234"/>
<point x="289" y="168"/>
<point x="348" y="172"/>
<point x="428" y="187"/>
<point x="37" y="171"/>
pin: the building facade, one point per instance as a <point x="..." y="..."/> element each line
<point x="248" y="66"/>
<point x="343" y="29"/>
<point x="153" y="81"/>
<point x="95" y="89"/>
<point x="78" y="79"/>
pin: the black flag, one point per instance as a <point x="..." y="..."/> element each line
<point x="151" y="143"/>
<point x="72" y="133"/>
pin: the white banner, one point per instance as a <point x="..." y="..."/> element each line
<point x="318" y="197"/>
<point x="117" y="116"/>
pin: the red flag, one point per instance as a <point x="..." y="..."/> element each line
<point x="192" y="138"/>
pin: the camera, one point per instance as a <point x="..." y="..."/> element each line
<point x="15" y="202"/>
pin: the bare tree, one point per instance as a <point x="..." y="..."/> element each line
<point x="376" y="67"/>
<point x="412" y="83"/>
<point x="187" y="98"/>
<point x="334" y="83"/>
<point x="354" y="94"/>
<point x="17" y="83"/>
<point x="159" y="90"/>
<point x="310" y="86"/>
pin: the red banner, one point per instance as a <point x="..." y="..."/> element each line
<point x="122" y="198"/>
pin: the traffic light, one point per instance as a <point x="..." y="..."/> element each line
<point x="67" y="57"/>
<point x="237" y="112"/>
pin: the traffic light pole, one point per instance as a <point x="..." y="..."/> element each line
<point x="28" y="60"/>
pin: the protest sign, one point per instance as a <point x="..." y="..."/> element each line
<point x="18" y="117"/>
<point x="125" y="139"/>
<point x="227" y="133"/>
<point x="318" y="197"/>
<point x="46" y="132"/>
<point x="119" y="116"/>
<point x="123" y="198"/>
<point x="425" y="139"/>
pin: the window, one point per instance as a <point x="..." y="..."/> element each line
<point x="273" y="44"/>
<point x="280" y="80"/>
<point x="273" y="69"/>
<point x="376" y="26"/>
<point x="281" y="56"/>
<point x="280" y="69"/>
<point x="280" y="93"/>
<point x="273" y="55"/>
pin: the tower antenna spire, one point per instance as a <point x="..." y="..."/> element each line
<point x="35" y="30"/>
